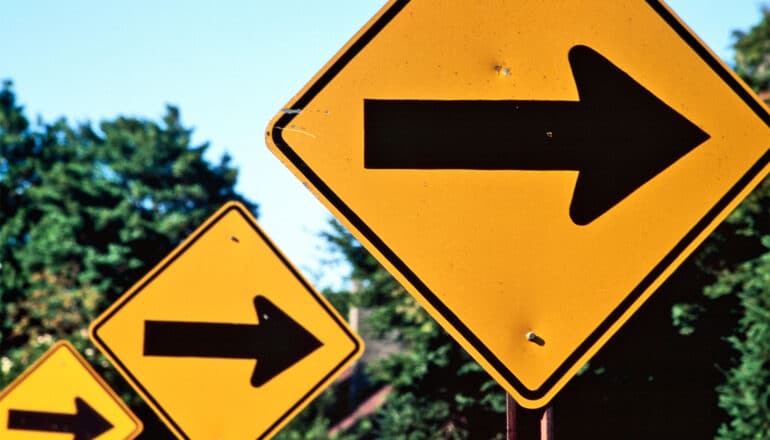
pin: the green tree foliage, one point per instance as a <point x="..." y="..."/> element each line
<point x="745" y="395"/>
<point x="438" y="390"/>
<point x="752" y="54"/>
<point x="84" y="213"/>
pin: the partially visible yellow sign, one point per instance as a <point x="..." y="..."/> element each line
<point x="531" y="171"/>
<point x="224" y="338"/>
<point x="61" y="397"/>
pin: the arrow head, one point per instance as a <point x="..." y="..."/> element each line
<point x="89" y="424"/>
<point x="631" y="137"/>
<point x="283" y="342"/>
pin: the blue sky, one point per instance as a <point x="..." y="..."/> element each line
<point x="229" y="67"/>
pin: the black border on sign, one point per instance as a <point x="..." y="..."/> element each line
<point x="179" y="252"/>
<point x="429" y="295"/>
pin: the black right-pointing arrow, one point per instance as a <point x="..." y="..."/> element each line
<point x="85" y="424"/>
<point x="618" y="136"/>
<point x="277" y="343"/>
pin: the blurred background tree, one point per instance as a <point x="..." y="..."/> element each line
<point x="745" y="394"/>
<point x="752" y="54"/>
<point x="84" y="213"/>
<point x="434" y="389"/>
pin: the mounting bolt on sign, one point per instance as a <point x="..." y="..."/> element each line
<point x="534" y="338"/>
<point x="514" y="183"/>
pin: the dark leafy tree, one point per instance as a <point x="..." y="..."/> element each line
<point x="745" y="395"/>
<point x="752" y="54"/>
<point x="438" y="391"/>
<point x="84" y="213"/>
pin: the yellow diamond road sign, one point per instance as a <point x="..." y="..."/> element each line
<point x="61" y="397"/>
<point x="224" y="338"/>
<point x="527" y="167"/>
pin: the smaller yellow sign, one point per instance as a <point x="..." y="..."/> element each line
<point x="224" y="338"/>
<point x="59" y="397"/>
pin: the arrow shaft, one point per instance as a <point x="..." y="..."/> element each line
<point x="483" y="135"/>
<point x="276" y="344"/>
<point x="41" y="421"/>
<point x="201" y="339"/>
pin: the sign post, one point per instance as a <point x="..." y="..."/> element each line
<point x="510" y="417"/>
<point x="546" y="424"/>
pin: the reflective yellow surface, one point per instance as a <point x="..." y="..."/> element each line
<point x="498" y="248"/>
<point x="213" y="277"/>
<point x="51" y="385"/>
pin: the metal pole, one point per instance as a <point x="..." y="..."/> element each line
<point x="546" y="424"/>
<point x="510" y="417"/>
